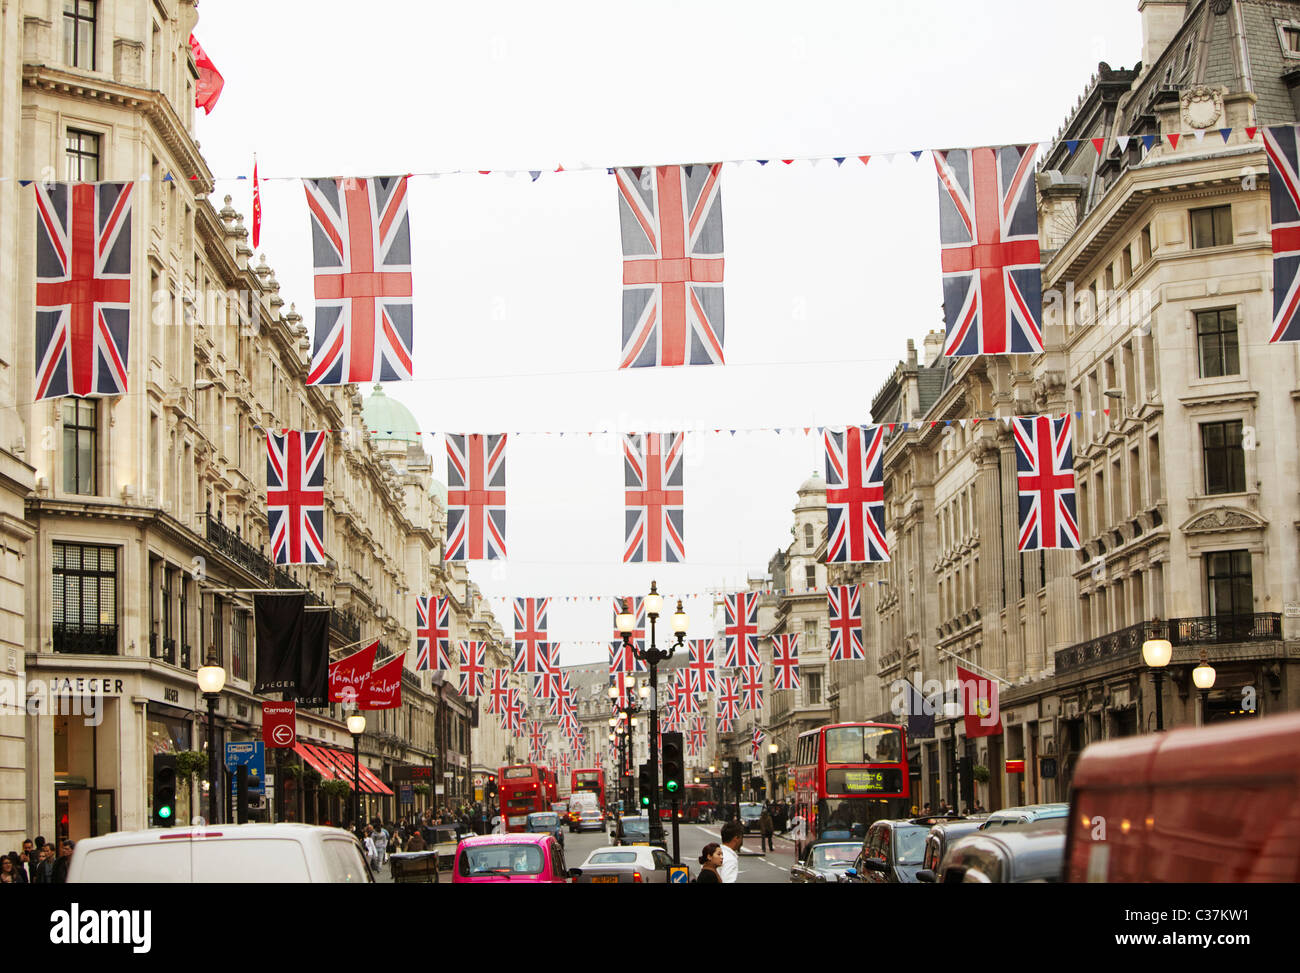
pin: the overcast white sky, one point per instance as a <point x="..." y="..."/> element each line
<point x="517" y="284"/>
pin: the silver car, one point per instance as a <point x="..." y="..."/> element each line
<point x="625" y="864"/>
<point x="824" y="861"/>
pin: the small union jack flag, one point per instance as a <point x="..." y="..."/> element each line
<point x="537" y="736"/>
<point x="83" y="288"/>
<point x="728" y="698"/>
<point x="564" y="763"/>
<point x="698" y="738"/>
<point x="547" y="684"/>
<point x="295" y="496"/>
<point x="846" y="623"/>
<point x="569" y="724"/>
<point x="433" y="633"/>
<point x="653" y="471"/>
<point x="1045" y="480"/>
<point x="513" y="715"/>
<point x="499" y="691"/>
<point x="620" y="681"/>
<point x="700" y="670"/>
<point x="671" y="222"/>
<point x="563" y="698"/>
<point x="988" y="233"/>
<point x="751" y="687"/>
<point x="756" y="744"/>
<point x="637" y="610"/>
<point x="472" y="658"/>
<point x="785" y="662"/>
<point x="741" y="630"/>
<point x="361" y="255"/>
<point x="530" y="634"/>
<point x="476" y="497"/>
<point x="1283" y="146"/>
<point x="855" y="495"/>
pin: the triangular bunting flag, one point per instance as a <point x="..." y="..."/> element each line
<point x="1173" y="138"/>
<point x="1071" y="145"/>
<point x="762" y="162"/>
<point x="1122" y="141"/>
<point x="168" y="178"/>
<point x="1225" y="132"/>
<point x="537" y="173"/>
<point x="839" y="160"/>
<point x="1250" y="132"/>
<point x="559" y="168"/>
<point x="787" y="161"/>
<point x="917" y="154"/>
<point x="1199" y="135"/>
<point x="1099" y="145"/>
<point x="865" y="159"/>
<point x="1148" y="141"/>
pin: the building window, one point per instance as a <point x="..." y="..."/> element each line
<point x="1211" y="227"/>
<point x="1225" y="461"/>
<point x="1229" y="590"/>
<point x="1126" y="262"/>
<point x="813" y="688"/>
<point x="239" y="644"/>
<point x="808" y="537"/>
<point x="810" y="577"/>
<point x="82" y="156"/>
<point x="84" y="601"/>
<point x="1216" y="341"/>
<point x="810" y="635"/>
<point x="79" y="33"/>
<point x="1146" y="243"/>
<point x="80" y="422"/>
<point x="1291" y="40"/>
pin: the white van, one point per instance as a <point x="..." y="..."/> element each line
<point x="221" y="853"/>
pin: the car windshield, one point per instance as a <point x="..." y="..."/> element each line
<point x="501" y="860"/>
<point x="834" y="856"/>
<point x="543" y="820"/>
<point x="636" y="827"/>
<point x="909" y="845"/>
<point x="612" y="858"/>
<point x="751" y="812"/>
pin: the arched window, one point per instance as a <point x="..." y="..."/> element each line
<point x="808" y="536"/>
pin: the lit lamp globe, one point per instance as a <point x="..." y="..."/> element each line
<point x="681" y="620"/>
<point x="1156" y="653"/>
<point x="654" y="602"/>
<point x="357" y="724"/>
<point x="625" y="620"/>
<point x="772" y="748"/>
<point x="613" y="692"/>
<point x="1203" y="676"/>
<point x="212" y="678"/>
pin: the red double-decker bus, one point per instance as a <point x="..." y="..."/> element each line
<point x="697" y="802"/>
<point x="848" y="775"/>
<point x="552" y="786"/>
<point x="589" y="779"/>
<point x="523" y="789"/>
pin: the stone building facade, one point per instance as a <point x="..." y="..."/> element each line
<point x="142" y="532"/>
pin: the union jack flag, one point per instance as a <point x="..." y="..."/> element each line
<point x="473" y="655"/>
<point x="514" y="713"/>
<point x="476" y="497"/>
<point x="564" y="763"/>
<point x="361" y="256"/>
<point x="83" y="288"/>
<point x="1045" y="479"/>
<point x="562" y="701"/>
<point x="432" y="635"/>
<point x="652" y="478"/>
<point x="741" y="629"/>
<point x="295" y="496"/>
<point x="569" y="724"/>
<point x="701" y="672"/>
<point x="988" y="234"/>
<point x="499" y="691"/>
<point x="689" y="700"/>
<point x="671" y="222"/>
<point x="698" y="738"/>
<point x="547" y="684"/>
<point x="756" y="743"/>
<point x="846" y="623"/>
<point x="537" y="737"/>
<point x="637" y="606"/>
<point x="855" y="495"/>
<point x="626" y="692"/>
<point x="530" y="634"/>
<point x="751" y="687"/>
<point x="785" y="662"/>
<point x="728" y="698"/>
<point x="1283" y="146"/>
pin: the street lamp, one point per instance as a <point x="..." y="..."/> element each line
<point x="1203" y="676"/>
<point x="356" y="726"/>
<point x="212" y="679"/>
<point x="771" y="771"/>
<point x="652" y="655"/>
<point x="1156" y="653"/>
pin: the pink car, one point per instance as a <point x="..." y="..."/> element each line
<point x="510" y="858"/>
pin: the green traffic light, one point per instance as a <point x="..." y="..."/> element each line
<point x="671" y="787"/>
<point x="164" y="812"/>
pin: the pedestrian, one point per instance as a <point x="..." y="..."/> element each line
<point x="10" y="873"/>
<point x="27" y="861"/>
<point x="374" y="852"/>
<point x="733" y="836"/>
<point x="766" y="829"/>
<point x="979" y="808"/>
<point x="65" y="859"/>
<point x="710" y="861"/>
<point x="798" y="833"/>
<point x="928" y="810"/>
<point x="415" y="843"/>
<point x="43" y="873"/>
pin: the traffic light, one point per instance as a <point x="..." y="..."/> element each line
<point x="643" y="785"/>
<point x="164" y="790"/>
<point x="737" y="778"/>
<point x="241" y="793"/>
<point x="966" y="781"/>
<point x="674" y="765"/>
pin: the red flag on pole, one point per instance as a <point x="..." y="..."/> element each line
<point x="349" y="675"/>
<point x="257" y="206"/>
<point x="383" y="690"/>
<point x="979" y="698"/>
<point x="210" y="83"/>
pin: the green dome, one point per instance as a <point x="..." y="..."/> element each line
<point x="388" y="420"/>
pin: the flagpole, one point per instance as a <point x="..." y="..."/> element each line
<point x="980" y="669"/>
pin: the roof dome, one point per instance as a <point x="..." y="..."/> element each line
<point x="388" y="420"/>
<point x="814" y="484"/>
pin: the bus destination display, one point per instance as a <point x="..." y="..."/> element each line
<point x="876" y="781"/>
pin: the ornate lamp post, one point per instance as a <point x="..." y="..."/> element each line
<point x="652" y="655"/>
<point x="356" y="726"/>
<point x="1156" y="653"/>
<point x="212" y="679"/>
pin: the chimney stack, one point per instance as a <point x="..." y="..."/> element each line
<point x="1160" y="22"/>
<point x="933" y="347"/>
<point x="911" y="352"/>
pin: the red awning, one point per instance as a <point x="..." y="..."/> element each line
<point x="369" y="782"/>
<point x="321" y="765"/>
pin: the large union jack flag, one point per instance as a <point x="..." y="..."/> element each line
<point x="512" y="713"/>
<point x="361" y="256"/>
<point x="988" y="234"/>
<point x="432" y="632"/>
<point x="756" y="744"/>
<point x="547" y="683"/>
<point x="855" y="495"/>
<point x="785" y="662"/>
<point x="701" y="672"/>
<point x="728" y="700"/>
<point x="476" y="497"/>
<point x="671" y="220"/>
<point x="1045" y="479"/>
<point x="499" y="691"/>
<point x="741" y="629"/>
<point x="295" y="496"/>
<point x="530" y="634"/>
<point x="1282" y="144"/>
<point x="83" y="288"/>
<point x="751" y="687"/>
<point x="653" y="494"/>
<point x="564" y="763"/>
<point x="473" y="655"/>
<point x="845" y="603"/>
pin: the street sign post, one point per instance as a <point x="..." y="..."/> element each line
<point x="253" y="756"/>
<point x="678" y="875"/>
<point x="279" y="724"/>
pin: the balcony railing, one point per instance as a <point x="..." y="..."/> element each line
<point x="344" y="624"/>
<point x="85" y="639"/>
<point x="1203" y="630"/>
<point x="229" y="543"/>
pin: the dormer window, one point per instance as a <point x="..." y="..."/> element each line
<point x="1291" y="40"/>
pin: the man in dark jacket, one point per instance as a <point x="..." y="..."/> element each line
<point x="766" y="828"/>
<point x="65" y="858"/>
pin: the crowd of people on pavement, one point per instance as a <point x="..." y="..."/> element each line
<point x="39" y="863"/>
<point x="414" y="832"/>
